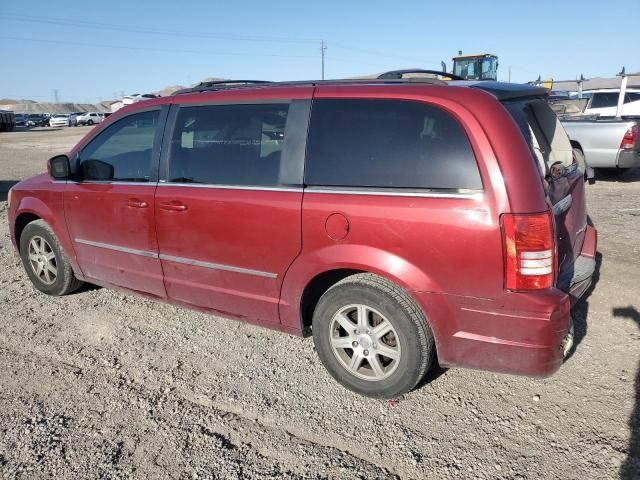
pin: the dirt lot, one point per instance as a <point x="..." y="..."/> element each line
<point x="103" y="384"/>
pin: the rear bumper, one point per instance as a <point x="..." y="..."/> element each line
<point x="628" y="159"/>
<point x="523" y="335"/>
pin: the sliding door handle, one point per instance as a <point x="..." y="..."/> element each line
<point x="174" y="205"/>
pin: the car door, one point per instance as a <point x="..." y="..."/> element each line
<point x="109" y="209"/>
<point x="228" y="204"/>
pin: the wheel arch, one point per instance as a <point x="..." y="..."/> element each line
<point x="30" y="209"/>
<point x="22" y="220"/>
<point x="314" y="273"/>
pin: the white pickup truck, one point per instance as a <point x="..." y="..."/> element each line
<point x="609" y="144"/>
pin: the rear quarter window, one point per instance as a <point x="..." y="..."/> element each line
<point x="388" y="144"/>
<point x="604" y="100"/>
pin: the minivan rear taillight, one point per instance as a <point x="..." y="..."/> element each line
<point x="630" y="138"/>
<point x="530" y="251"/>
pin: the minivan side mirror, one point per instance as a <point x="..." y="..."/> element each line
<point x="59" y="167"/>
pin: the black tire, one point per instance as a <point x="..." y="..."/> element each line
<point x="65" y="281"/>
<point x="90" y="122"/>
<point x="414" y="337"/>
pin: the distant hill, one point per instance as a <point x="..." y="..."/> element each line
<point x="31" y="106"/>
<point x="11" y="101"/>
<point x="45" y="107"/>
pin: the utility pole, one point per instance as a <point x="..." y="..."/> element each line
<point x="322" y="50"/>
<point x="509" y="73"/>
<point x="55" y="95"/>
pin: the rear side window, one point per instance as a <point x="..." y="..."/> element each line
<point x="228" y="144"/>
<point x="632" y="97"/>
<point x="605" y="99"/>
<point x="122" y="152"/>
<point x="388" y="144"/>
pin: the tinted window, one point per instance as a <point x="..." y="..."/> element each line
<point x="388" y="143"/>
<point x="607" y="99"/>
<point x="228" y="144"/>
<point x="125" y="147"/>
<point x="632" y="97"/>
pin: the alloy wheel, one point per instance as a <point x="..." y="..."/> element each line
<point x="365" y="342"/>
<point x="42" y="259"/>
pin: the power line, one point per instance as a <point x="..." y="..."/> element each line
<point x="153" y="31"/>
<point x="376" y="53"/>
<point x="192" y="34"/>
<point x="153" y="49"/>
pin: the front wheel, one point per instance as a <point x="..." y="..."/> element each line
<point x="90" y="122"/>
<point x="372" y="337"/>
<point x="44" y="260"/>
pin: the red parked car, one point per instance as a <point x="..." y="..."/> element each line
<point x="397" y="221"/>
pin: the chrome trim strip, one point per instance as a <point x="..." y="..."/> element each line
<point x="117" y="248"/>
<point x="231" y="187"/>
<point x="476" y="195"/>
<point x="171" y="258"/>
<point x="95" y="182"/>
<point x="217" y="266"/>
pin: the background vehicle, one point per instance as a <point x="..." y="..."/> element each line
<point x="20" y="119"/>
<point x="63" y="120"/>
<point x="353" y="211"/>
<point x="483" y="66"/>
<point x="137" y="97"/>
<point x="604" y="102"/>
<point x="90" y="118"/>
<point x="609" y="145"/>
<point x="36" y="120"/>
<point x="7" y="121"/>
<point x="555" y="95"/>
<point x="607" y="140"/>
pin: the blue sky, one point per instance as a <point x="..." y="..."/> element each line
<point x="95" y="49"/>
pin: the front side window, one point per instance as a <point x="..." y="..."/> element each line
<point x="121" y="152"/>
<point x="388" y="144"/>
<point x="228" y="144"/>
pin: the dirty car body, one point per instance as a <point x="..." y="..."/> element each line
<point x="460" y="201"/>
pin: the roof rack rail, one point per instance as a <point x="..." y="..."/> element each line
<point x="219" y="85"/>
<point x="394" y="77"/>
<point x="398" y="74"/>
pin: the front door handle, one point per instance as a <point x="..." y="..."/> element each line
<point x="136" y="203"/>
<point x="174" y="205"/>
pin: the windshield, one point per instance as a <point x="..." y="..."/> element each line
<point x="465" y="68"/>
<point x="489" y="68"/>
<point x="476" y="68"/>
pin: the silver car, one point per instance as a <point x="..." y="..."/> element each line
<point x="63" y="120"/>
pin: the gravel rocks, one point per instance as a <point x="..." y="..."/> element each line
<point x="105" y="384"/>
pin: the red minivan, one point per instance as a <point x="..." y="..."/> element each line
<point x="397" y="221"/>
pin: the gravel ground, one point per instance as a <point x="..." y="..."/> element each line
<point x="105" y="384"/>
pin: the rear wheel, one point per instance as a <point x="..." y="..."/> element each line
<point x="90" y="122"/>
<point x="44" y="260"/>
<point x="372" y="337"/>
